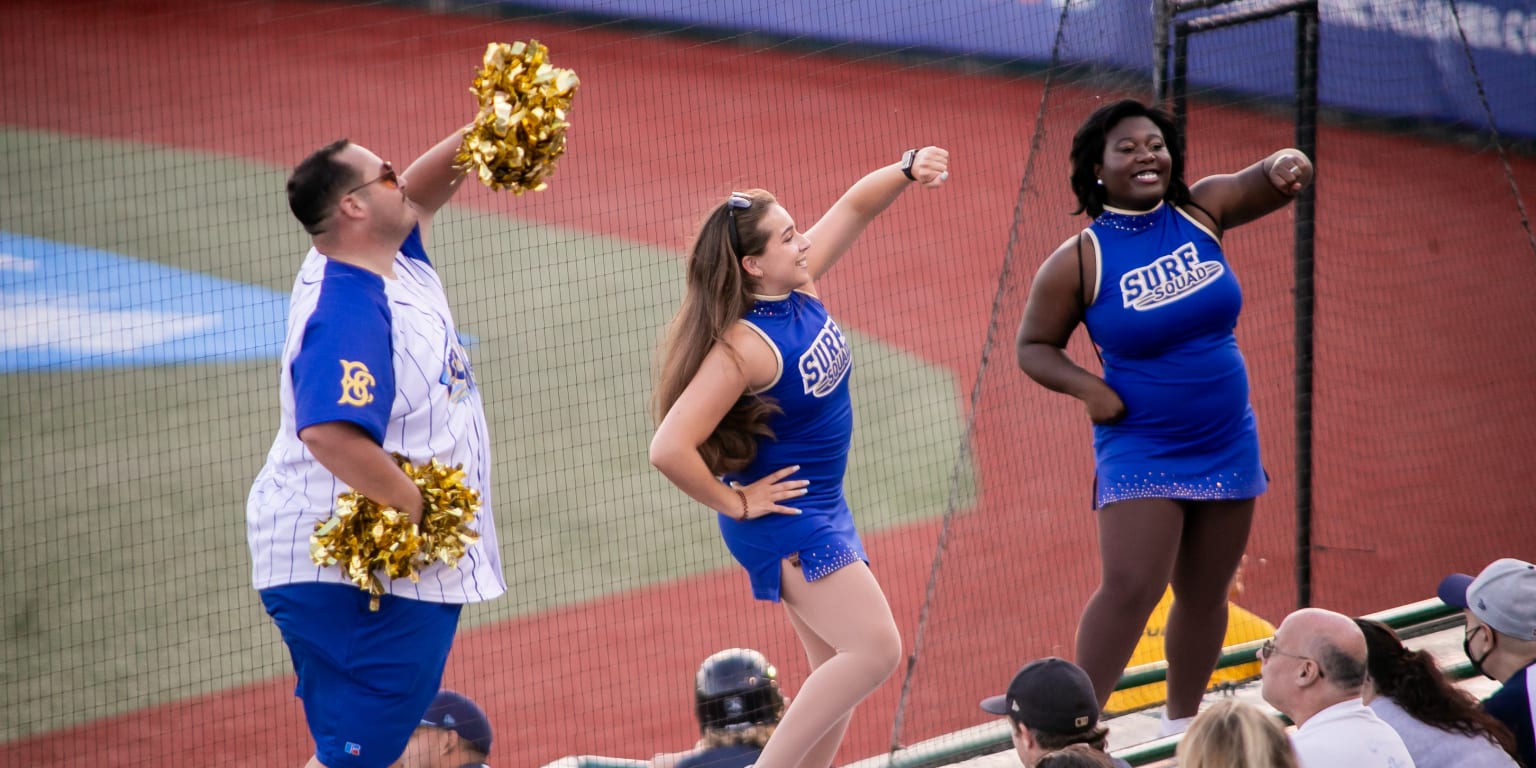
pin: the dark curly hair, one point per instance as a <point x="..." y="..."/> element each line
<point x="1415" y="682"/>
<point x="1088" y="150"/>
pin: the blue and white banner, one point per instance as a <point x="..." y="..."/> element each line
<point x="1391" y="58"/>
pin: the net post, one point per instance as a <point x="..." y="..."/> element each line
<point x="1305" y="302"/>
<point x="1161" y="17"/>
<point x="1179" y="82"/>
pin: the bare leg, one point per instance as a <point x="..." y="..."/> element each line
<point x="1215" y="534"/>
<point x="314" y="762"/>
<point x="1138" y="540"/>
<point x="818" y="652"/>
<point x="845" y="611"/>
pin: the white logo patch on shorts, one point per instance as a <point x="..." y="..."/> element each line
<point x="1168" y="279"/>
<point x="826" y="363"/>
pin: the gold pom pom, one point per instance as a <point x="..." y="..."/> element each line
<point x="365" y="538"/>
<point x="520" y="130"/>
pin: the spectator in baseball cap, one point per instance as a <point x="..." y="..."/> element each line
<point x="1051" y="705"/>
<point x="1500" y="606"/>
<point x="739" y="705"/>
<point x="454" y="733"/>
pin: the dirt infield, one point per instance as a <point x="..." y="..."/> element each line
<point x="1425" y="421"/>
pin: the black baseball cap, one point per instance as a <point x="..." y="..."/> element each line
<point x="1050" y="695"/>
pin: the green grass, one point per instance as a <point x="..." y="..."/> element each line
<point x="127" y="574"/>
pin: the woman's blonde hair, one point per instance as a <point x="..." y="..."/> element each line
<point x="1233" y="734"/>
<point x="751" y="736"/>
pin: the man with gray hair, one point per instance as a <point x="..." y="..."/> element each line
<point x="1313" y="670"/>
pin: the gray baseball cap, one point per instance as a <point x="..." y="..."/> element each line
<point x="1503" y="596"/>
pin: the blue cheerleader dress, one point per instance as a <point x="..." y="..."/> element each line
<point x="1165" y="305"/>
<point x="813" y="432"/>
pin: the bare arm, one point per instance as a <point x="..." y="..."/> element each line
<point x="1052" y="312"/>
<point x="835" y="232"/>
<point x="350" y="454"/>
<point x="699" y="410"/>
<point x="1256" y="191"/>
<point x="432" y="179"/>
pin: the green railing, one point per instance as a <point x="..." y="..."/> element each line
<point x="1410" y="620"/>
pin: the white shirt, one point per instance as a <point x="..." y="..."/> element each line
<point x="383" y="354"/>
<point x="1432" y="747"/>
<point x="1349" y="735"/>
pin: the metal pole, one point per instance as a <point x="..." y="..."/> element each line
<point x="1160" y="21"/>
<point x="1180" y="69"/>
<point x="1306" y="141"/>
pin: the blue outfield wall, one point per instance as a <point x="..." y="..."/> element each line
<point x="1391" y="58"/>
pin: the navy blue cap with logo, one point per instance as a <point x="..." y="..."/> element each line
<point x="737" y="688"/>
<point x="455" y="712"/>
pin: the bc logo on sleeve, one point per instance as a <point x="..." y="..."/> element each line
<point x="355" y="383"/>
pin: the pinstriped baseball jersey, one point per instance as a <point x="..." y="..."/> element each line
<point x="382" y="354"/>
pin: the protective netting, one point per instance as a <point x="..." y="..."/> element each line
<point x="148" y="252"/>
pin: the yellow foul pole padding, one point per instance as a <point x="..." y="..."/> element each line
<point x="1242" y="627"/>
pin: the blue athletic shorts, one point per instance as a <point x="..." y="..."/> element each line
<point x="365" y="677"/>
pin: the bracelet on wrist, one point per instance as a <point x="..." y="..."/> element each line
<point x="745" y="508"/>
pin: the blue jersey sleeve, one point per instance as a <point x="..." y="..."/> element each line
<point x="1512" y="705"/>
<point x="413" y="247"/>
<point x="344" y="369"/>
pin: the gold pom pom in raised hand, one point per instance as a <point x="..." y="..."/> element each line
<point x="365" y="538"/>
<point x="520" y="130"/>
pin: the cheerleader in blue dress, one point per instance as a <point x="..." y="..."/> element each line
<point x="1176" y="448"/>
<point x="755" y="423"/>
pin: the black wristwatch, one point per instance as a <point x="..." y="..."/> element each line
<point x="906" y="163"/>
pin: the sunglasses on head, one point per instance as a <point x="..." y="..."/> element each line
<point x="737" y="201"/>
<point x="386" y="177"/>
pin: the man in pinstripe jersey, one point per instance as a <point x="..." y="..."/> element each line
<point x="372" y="365"/>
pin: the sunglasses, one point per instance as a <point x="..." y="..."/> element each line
<point x="1269" y="649"/>
<point x="737" y="202"/>
<point x="386" y="177"/>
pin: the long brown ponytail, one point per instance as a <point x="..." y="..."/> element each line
<point x="1413" y="679"/>
<point x="716" y="296"/>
